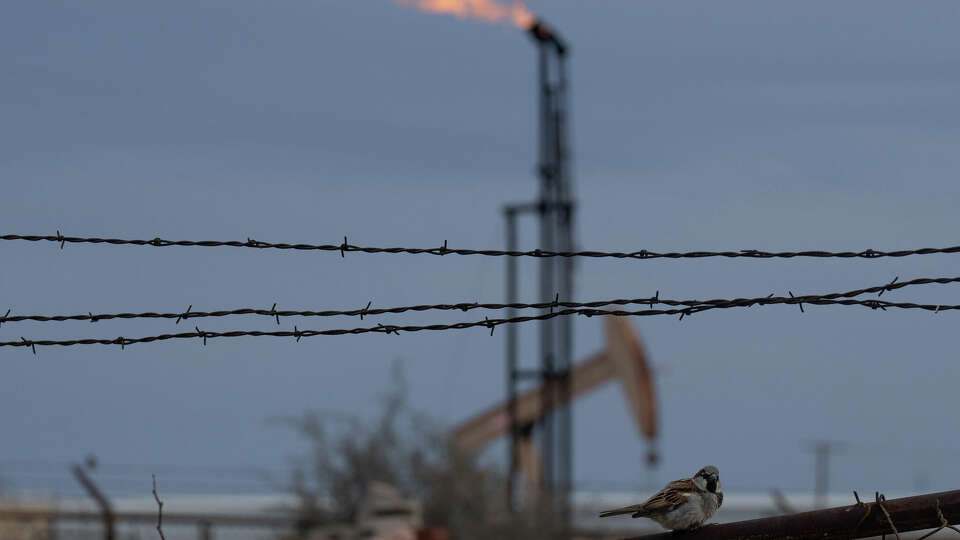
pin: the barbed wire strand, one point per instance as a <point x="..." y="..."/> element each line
<point x="346" y="247"/>
<point x="487" y="322"/>
<point x="273" y="312"/>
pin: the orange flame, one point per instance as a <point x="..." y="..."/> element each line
<point x="489" y="11"/>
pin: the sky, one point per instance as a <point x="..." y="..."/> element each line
<point x="697" y="126"/>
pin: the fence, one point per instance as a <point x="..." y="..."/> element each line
<point x="936" y="511"/>
<point x="557" y="308"/>
<point x="933" y="512"/>
<point x="76" y="525"/>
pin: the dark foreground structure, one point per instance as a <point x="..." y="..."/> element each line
<point x="862" y="520"/>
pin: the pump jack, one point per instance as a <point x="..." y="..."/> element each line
<point x="623" y="359"/>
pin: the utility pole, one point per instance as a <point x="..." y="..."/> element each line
<point x="822" y="452"/>
<point x="822" y="484"/>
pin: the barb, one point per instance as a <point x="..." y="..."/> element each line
<point x="944" y="524"/>
<point x="346" y="247"/>
<point x="801" y="303"/>
<point x="865" y="515"/>
<point x="468" y="306"/>
<point x="490" y="323"/>
<point x="880" y="500"/>
<point x="159" y="509"/>
<point x="180" y="317"/>
<point x="888" y="287"/>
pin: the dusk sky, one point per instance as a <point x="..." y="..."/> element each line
<point x="696" y="126"/>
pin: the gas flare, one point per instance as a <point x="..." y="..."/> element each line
<point x="490" y="11"/>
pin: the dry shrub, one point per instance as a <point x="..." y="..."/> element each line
<point x="410" y="452"/>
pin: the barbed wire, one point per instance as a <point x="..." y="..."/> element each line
<point x="273" y="312"/>
<point x="346" y="247"/>
<point x="490" y="323"/>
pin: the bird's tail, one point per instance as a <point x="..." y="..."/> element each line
<point x="635" y="509"/>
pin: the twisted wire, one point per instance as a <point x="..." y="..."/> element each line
<point x="464" y="306"/>
<point x="346" y="247"/>
<point x="490" y="323"/>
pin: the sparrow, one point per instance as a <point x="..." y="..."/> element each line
<point x="682" y="504"/>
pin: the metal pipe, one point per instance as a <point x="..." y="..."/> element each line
<point x="106" y="511"/>
<point x="854" y="521"/>
<point x="556" y="231"/>
<point x="544" y="34"/>
<point x="565" y="226"/>
<point x="547" y="289"/>
<point x="511" y="344"/>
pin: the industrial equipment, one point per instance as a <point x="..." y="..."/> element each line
<point x="624" y="359"/>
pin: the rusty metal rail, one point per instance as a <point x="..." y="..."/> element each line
<point x="861" y="520"/>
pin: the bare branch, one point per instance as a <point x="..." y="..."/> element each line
<point x="159" y="509"/>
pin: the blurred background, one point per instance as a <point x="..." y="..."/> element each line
<point x="699" y="126"/>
